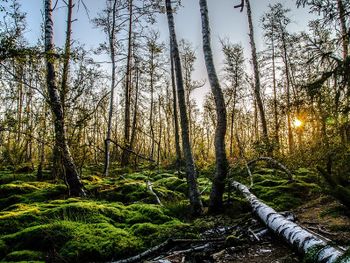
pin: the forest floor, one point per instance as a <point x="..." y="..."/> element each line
<point x="120" y="217"/>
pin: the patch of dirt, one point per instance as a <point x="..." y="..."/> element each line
<point x="326" y="217"/>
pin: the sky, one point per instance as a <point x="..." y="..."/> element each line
<point x="225" y="22"/>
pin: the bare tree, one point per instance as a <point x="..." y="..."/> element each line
<point x="72" y="177"/>
<point x="218" y="186"/>
<point x="191" y="172"/>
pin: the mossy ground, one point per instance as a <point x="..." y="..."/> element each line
<point x="120" y="217"/>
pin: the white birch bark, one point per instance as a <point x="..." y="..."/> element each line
<point x="293" y="234"/>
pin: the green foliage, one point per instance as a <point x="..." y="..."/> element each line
<point x="25" y="255"/>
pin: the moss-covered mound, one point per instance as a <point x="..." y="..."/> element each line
<point x="119" y="219"/>
<point x="281" y="193"/>
<point x="76" y="230"/>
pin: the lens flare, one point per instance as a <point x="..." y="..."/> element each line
<point x="297" y="123"/>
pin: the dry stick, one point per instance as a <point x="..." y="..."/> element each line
<point x="274" y="162"/>
<point x="149" y="187"/>
<point x="168" y="242"/>
<point x="292" y="233"/>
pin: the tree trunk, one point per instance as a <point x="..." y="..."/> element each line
<point x="344" y="31"/>
<point x="125" y="154"/>
<point x="191" y="173"/>
<point x="289" y="121"/>
<point x="72" y="177"/>
<point x="111" y="101"/>
<point x="176" y="120"/>
<point x="293" y="234"/>
<point x="275" y="109"/>
<point x="218" y="187"/>
<point x="257" y="91"/>
<point x="134" y="121"/>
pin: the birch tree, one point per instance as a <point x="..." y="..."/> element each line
<point x="191" y="172"/>
<point x="218" y="186"/>
<point x="71" y="173"/>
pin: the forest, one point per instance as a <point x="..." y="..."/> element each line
<point x="147" y="146"/>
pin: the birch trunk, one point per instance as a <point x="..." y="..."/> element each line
<point x="218" y="186"/>
<point x="72" y="177"/>
<point x="293" y="234"/>
<point x="191" y="173"/>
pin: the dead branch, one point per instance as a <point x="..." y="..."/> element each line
<point x="131" y="151"/>
<point x="149" y="187"/>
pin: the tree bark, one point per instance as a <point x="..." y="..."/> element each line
<point x="125" y="154"/>
<point x="176" y="120"/>
<point x="72" y="177"/>
<point x="293" y="234"/>
<point x="111" y="32"/>
<point x="257" y="89"/>
<point x="191" y="172"/>
<point x="218" y="187"/>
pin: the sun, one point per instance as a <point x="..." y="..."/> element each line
<point x="297" y="123"/>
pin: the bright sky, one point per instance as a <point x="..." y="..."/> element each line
<point x="225" y="21"/>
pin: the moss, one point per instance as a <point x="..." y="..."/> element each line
<point x="25" y="255"/>
<point x="312" y="254"/>
<point x="144" y="229"/>
<point x="171" y="183"/>
<point x="99" y="242"/>
<point x="126" y="191"/>
<point x="282" y="194"/>
<point x="3" y="249"/>
<point x="140" y="213"/>
<point x="19" y="217"/>
<point x="344" y="258"/>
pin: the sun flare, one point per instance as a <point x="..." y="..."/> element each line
<point x="297" y="123"/>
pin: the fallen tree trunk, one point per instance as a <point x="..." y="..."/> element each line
<point x="301" y="239"/>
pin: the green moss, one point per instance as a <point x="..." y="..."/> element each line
<point x="171" y="183"/>
<point x="25" y="255"/>
<point x="282" y="194"/>
<point x="344" y="258"/>
<point x="140" y="213"/>
<point x="99" y="242"/>
<point x="312" y="254"/>
<point x="3" y="249"/>
<point x="144" y="229"/>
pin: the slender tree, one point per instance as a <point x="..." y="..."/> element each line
<point x="72" y="177"/>
<point x="191" y="172"/>
<point x="218" y="186"/>
<point x="112" y="38"/>
<point x="257" y="85"/>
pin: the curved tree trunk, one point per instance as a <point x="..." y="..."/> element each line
<point x="72" y="177"/>
<point x="218" y="187"/>
<point x="191" y="173"/>
<point x="293" y="234"/>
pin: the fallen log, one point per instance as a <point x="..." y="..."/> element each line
<point x="301" y="239"/>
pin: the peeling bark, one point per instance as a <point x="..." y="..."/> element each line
<point x="301" y="239"/>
